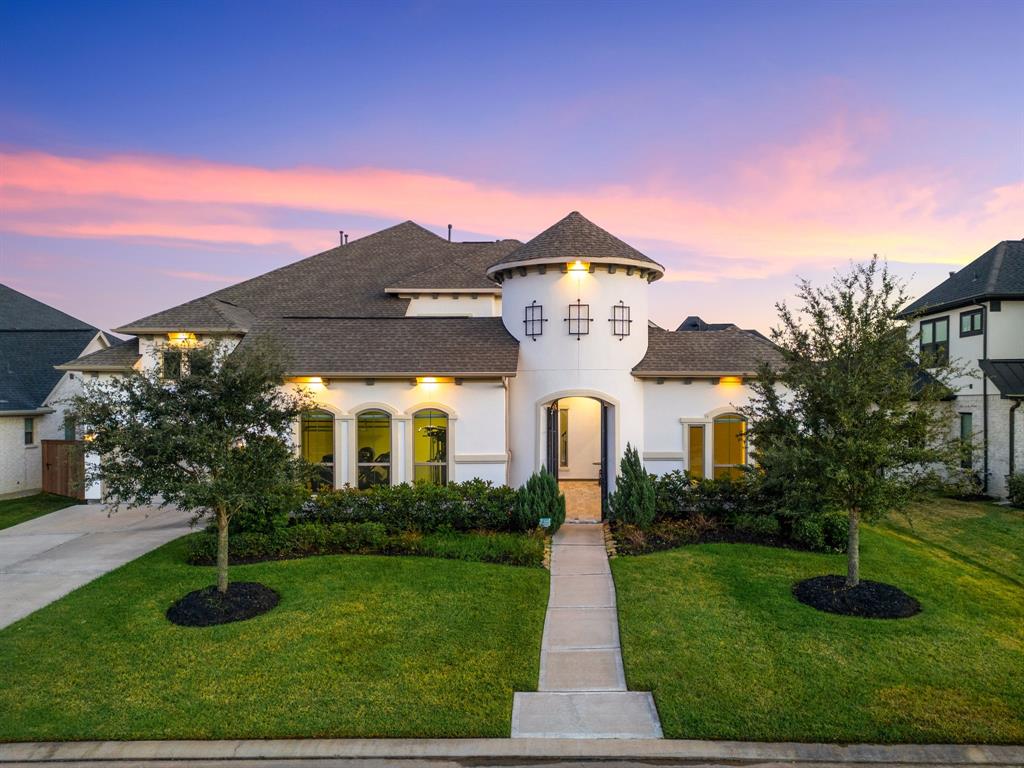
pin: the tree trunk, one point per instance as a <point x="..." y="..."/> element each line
<point x="222" y="551"/>
<point x="853" y="550"/>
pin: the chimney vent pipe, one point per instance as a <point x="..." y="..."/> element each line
<point x="449" y="233"/>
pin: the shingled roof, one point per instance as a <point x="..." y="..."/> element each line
<point x="34" y="337"/>
<point x="346" y="281"/>
<point x="575" y="237"/>
<point x="121" y="356"/>
<point x="996" y="274"/>
<point x="705" y="353"/>
<point x="448" y="346"/>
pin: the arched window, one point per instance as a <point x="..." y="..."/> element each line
<point x="317" y="440"/>
<point x="730" y="453"/>
<point x="373" y="448"/>
<point x="430" y="446"/>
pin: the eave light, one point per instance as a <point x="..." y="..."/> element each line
<point x="435" y="380"/>
<point x="579" y="266"/>
<point x="734" y="380"/>
<point x="181" y="339"/>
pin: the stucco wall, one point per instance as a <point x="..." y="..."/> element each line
<point x="20" y="464"/>
<point x="454" y="305"/>
<point x="476" y="427"/>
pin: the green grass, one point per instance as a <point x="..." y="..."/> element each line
<point x="14" y="511"/>
<point x="990" y="536"/>
<point x="359" y="646"/>
<point x="714" y="632"/>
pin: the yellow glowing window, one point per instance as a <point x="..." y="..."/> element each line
<point x="317" y="441"/>
<point x="430" y="446"/>
<point x="695" y="449"/>
<point x="730" y="446"/>
<point x="373" y="448"/>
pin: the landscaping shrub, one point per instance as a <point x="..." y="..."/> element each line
<point x="307" y="539"/>
<point x="426" y="508"/>
<point x="1015" y="489"/>
<point x="633" y="500"/>
<point x="541" y="497"/>
<point x="761" y="526"/>
<point x="271" y="511"/>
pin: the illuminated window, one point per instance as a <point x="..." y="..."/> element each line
<point x="373" y="452"/>
<point x="430" y="446"/>
<point x="730" y="448"/>
<point x="534" y="320"/>
<point x="317" y="441"/>
<point x="579" y="319"/>
<point x="935" y="342"/>
<point x="563" y="437"/>
<point x="695" y="449"/>
<point x="620" y="320"/>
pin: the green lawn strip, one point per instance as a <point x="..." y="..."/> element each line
<point x="984" y="534"/>
<point x="714" y="632"/>
<point x="14" y="511"/>
<point x="360" y="646"/>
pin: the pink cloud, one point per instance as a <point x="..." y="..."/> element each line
<point x="202" y="277"/>
<point x="814" y="202"/>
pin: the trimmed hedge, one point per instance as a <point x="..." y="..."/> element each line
<point x="1015" y="489"/>
<point x="471" y="506"/>
<point x="305" y="539"/>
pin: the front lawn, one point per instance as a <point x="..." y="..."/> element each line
<point x="714" y="632"/>
<point x="359" y="646"/>
<point x="14" y="511"/>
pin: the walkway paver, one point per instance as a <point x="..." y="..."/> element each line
<point x="43" y="559"/>
<point x="582" y="689"/>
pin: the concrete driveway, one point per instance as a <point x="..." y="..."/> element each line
<point x="45" y="558"/>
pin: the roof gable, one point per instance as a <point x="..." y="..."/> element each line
<point x="19" y="312"/>
<point x="997" y="273"/>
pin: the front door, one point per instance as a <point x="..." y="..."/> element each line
<point x="552" y="435"/>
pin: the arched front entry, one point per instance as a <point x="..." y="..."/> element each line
<point x="578" y="447"/>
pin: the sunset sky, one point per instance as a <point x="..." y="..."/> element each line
<point x="154" y="152"/>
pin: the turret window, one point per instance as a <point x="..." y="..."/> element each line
<point x="620" y="320"/>
<point x="579" y="319"/>
<point x="534" y="320"/>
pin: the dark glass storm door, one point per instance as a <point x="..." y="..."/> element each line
<point x="552" y="432"/>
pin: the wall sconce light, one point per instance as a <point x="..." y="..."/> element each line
<point x="181" y="339"/>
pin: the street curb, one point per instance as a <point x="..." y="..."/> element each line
<point x="736" y="752"/>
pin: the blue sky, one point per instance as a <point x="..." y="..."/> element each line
<point x="740" y="144"/>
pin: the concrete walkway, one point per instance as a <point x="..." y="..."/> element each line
<point x="582" y="691"/>
<point x="461" y="753"/>
<point x="45" y="558"/>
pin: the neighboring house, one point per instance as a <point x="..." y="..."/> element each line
<point x="444" y="361"/>
<point x="34" y="338"/>
<point x="975" y="318"/>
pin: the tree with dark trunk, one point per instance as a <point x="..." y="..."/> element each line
<point x="853" y="420"/>
<point x="210" y="437"/>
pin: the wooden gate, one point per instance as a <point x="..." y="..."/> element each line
<point x="64" y="468"/>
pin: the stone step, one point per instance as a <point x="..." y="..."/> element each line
<point x="582" y="670"/>
<point x="605" y="715"/>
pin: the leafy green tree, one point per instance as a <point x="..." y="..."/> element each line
<point x="212" y="438"/>
<point x="852" y="420"/>
<point x="634" y="497"/>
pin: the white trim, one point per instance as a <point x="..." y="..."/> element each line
<point x="481" y="458"/>
<point x="494" y="291"/>
<point x="651" y="266"/>
<point x="664" y="455"/>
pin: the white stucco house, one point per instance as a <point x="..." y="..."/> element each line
<point x="34" y="337"/>
<point x="975" y="318"/>
<point x="446" y="361"/>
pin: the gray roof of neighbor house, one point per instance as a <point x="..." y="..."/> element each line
<point x="730" y="351"/>
<point x="346" y="281"/>
<point x="34" y="337"/>
<point x="448" y="346"/>
<point x="1007" y="375"/>
<point x="575" y="237"/>
<point x="121" y="356"/>
<point x="695" y="323"/>
<point x="996" y="274"/>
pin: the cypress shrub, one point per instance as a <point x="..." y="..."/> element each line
<point x="540" y="497"/>
<point x="633" y="500"/>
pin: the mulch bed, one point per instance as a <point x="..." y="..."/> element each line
<point x="869" y="599"/>
<point x="207" y="607"/>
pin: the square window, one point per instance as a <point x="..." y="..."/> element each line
<point x="935" y="342"/>
<point x="972" y="323"/>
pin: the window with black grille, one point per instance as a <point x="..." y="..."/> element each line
<point x="534" y="320"/>
<point x="579" y="319"/>
<point x="620" y="320"/>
